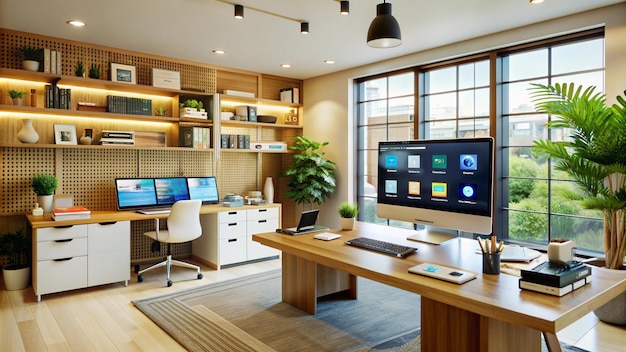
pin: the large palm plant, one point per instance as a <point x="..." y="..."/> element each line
<point x="594" y="155"/>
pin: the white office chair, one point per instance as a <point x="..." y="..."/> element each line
<point x="183" y="225"/>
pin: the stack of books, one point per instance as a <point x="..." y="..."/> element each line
<point x="117" y="138"/>
<point x="556" y="279"/>
<point x="71" y="213"/>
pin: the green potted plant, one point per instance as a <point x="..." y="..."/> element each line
<point x="192" y="103"/>
<point x="14" y="246"/>
<point x="31" y="57"/>
<point x="94" y="71"/>
<point x="593" y="154"/>
<point x="79" y="69"/>
<point x="17" y="96"/>
<point x="44" y="186"/>
<point x="311" y="177"/>
<point x="347" y="214"/>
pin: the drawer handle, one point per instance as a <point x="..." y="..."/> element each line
<point x="63" y="259"/>
<point x="262" y="221"/>
<point x="62" y="241"/>
<point x="108" y="223"/>
<point x="232" y="213"/>
<point x="262" y="210"/>
<point x="63" y="227"/>
<point x="232" y="240"/>
<point x="232" y="224"/>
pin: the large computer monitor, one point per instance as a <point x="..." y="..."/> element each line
<point x="204" y="188"/>
<point x="135" y="193"/>
<point x="169" y="190"/>
<point x="446" y="185"/>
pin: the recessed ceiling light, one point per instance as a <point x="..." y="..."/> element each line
<point x="219" y="52"/>
<point x="285" y="66"/>
<point x="330" y="62"/>
<point x="76" y="23"/>
<point x="536" y="1"/>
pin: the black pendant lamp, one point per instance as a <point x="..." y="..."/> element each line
<point x="384" y="31"/>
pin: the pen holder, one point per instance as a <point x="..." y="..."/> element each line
<point x="491" y="263"/>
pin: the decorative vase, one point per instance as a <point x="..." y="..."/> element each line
<point x="30" y="65"/>
<point x="16" y="279"/>
<point x="268" y="191"/>
<point x="46" y="202"/>
<point x="86" y="140"/>
<point x="346" y="223"/>
<point x="27" y="134"/>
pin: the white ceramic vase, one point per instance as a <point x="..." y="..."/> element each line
<point x="46" y="202"/>
<point x="16" y="279"/>
<point x="27" y="134"/>
<point x="268" y="191"/>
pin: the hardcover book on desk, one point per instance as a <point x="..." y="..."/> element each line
<point x="556" y="275"/>
<point x="71" y="213"/>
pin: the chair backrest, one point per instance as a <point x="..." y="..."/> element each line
<point x="183" y="223"/>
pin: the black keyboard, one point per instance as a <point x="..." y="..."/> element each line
<point x="381" y="246"/>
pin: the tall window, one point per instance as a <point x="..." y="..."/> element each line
<point x="536" y="203"/>
<point x="386" y="110"/>
<point x="452" y="100"/>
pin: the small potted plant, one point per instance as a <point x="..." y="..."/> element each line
<point x="193" y="104"/>
<point x="79" y="69"/>
<point x="347" y="213"/>
<point x="17" y="96"/>
<point x="14" y="246"/>
<point x="94" y="71"/>
<point x="31" y="57"/>
<point x="44" y="186"/>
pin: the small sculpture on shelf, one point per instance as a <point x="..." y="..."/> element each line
<point x="94" y="71"/>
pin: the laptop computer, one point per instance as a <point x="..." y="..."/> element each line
<point x="518" y="254"/>
<point x="306" y="224"/>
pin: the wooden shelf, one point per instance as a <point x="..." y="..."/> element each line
<point x="97" y="146"/>
<point x="80" y="113"/>
<point x="234" y="123"/>
<point x="256" y="101"/>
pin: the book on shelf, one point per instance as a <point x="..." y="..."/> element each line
<point x="53" y="61"/>
<point x="118" y="134"/>
<point x="71" y="213"/>
<point x="116" y="141"/>
<point x="46" y="60"/>
<point x="556" y="275"/>
<point x="553" y="290"/>
<point x="290" y="95"/>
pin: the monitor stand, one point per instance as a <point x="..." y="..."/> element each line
<point x="433" y="235"/>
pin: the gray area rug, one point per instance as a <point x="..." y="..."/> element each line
<point x="246" y="314"/>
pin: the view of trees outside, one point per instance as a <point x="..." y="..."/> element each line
<point x="534" y="202"/>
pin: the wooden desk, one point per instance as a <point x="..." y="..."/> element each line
<point x="489" y="313"/>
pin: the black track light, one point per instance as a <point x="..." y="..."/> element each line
<point x="238" y="12"/>
<point x="304" y="27"/>
<point x="345" y="7"/>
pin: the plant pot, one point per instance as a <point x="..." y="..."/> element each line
<point x="46" y="202"/>
<point x="16" y="279"/>
<point x="346" y="223"/>
<point x="17" y="101"/>
<point x="30" y="65"/>
<point x="613" y="312"/>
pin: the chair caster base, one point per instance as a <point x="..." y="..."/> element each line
<point x="140" y="278"/>
<point x="169" y="283"/>
<point x="200" y="276"/>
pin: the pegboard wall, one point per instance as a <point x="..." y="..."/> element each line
<point x="194" y="76"/>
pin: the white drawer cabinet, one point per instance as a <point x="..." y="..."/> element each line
<point x="227" y="235"/>
<point x="71" y="257"/>
<point x="260" y="221"/>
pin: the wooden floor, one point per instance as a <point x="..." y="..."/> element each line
<point x="103" y="319"/>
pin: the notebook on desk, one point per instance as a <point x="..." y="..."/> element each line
<point x="305" y="225"/>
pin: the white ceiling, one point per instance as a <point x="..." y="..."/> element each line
<point x="261" y="42"/>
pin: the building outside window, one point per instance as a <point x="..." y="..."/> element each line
<point x="452" y="100"/>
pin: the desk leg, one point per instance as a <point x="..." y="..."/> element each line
<point x="304" y="281"/>
<point x="447" y="328"/>
<point x="552" y="342"/>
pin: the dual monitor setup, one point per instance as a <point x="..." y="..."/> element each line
<point x="163" y="192"/>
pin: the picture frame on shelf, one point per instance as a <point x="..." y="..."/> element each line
<point x="65" y="134"/>
<point x="123" y="73"/>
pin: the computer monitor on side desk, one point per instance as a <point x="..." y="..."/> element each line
<point x="135" y="193"/>
<point x="169" y="190"/>
<point x="446" y="185"/>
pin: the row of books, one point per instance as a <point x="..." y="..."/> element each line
<point x="58" y="98"/>
<point x="71" y="213"/>
<point x="290" y="95"/>
<point x="129" y="105"/>
<point x="51" y="61"/>
<point x="556" y="279"/>
<point x="194" y="137"/>
<point x="235" y="141"/>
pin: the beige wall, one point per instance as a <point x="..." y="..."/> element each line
<point x="328" y="100"/>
